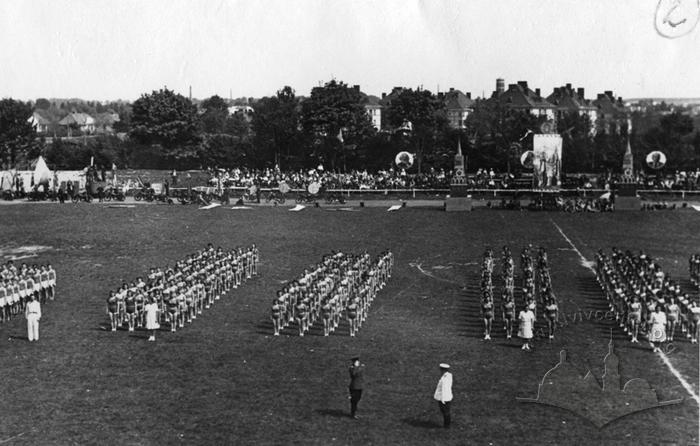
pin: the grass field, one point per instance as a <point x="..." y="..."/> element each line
<point x="225" y="380"/>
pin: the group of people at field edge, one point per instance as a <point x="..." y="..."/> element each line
<point x="176" y="295"/>
<point x="645" y="300"/>
<point x="23" y="290"/>
<point x="536" y="292"/>
<point x="339" y="284"/>
<point x="353" y="179"/>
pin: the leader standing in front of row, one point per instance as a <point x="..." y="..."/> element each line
<point x="357" y="377"/>
<point x="443" y="394"/>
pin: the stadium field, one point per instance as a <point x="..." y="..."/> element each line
<point x="225" y="380"/>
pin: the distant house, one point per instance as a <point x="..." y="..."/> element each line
<point x="570" y="100"/>
<point x="374" y="110"/>
<point x="40" y="123"/>
<point x="104" y="122"/>
<point x="246" y="109"/>
<point x="611" y="112"/>
<point x="84" y="122"/>
<point x="520" y="97"/>
<point x="458" y="106"/>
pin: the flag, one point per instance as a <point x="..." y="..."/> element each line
<point x="340" y="136"/>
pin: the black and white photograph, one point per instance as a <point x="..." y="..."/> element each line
<point x="350" y="222"/>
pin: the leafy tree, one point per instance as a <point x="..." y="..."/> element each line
<point x="335" y="119"/>
<point x="169" y="120"/>
<point x="674" y="136"/>
<point x="16" y="134"/>
<point x="426" y="115"/>
<point x="42" y="104"/>
<point x="577" y="142"/>
<point x="275" y="125"/>
<point x="215" y="114"/>
<point x="497" y="135"/>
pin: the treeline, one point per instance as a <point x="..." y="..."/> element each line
<point x="331" y="126"/>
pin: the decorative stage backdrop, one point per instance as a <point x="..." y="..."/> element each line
<point x="547" y="160"/>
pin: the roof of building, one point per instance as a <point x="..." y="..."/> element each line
<point x="520" y="96"/>
<point x="38" y="119"/>
<point x="456" y="100"/>
<point x="567" y="99"/>
<point x="77" y="118"/>
<point x="372" y="101"/>
<point x="607" y="105"/>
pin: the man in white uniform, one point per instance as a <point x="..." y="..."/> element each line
<point x="33" y="314"/>
<point x="443" y="394"/>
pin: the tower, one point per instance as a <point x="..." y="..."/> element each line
<point x="627" y="159"/>
<point x="458" y="176"/>
<point x="500" y="86"/>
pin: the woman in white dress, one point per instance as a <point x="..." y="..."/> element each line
<point x="658" y="328"/>
<point x="151" y="309"/>
<point x="527" y="321"/>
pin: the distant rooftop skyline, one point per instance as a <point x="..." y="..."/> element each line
<point x="107" y="50"/>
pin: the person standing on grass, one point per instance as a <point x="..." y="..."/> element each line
<point x="33" y="314"/>
<point x="527" y="322"/>
<point x="658" y="328"/>
<point x="443" y="394"/>
<point x="357" y="377"/>
<point x="151" y="310"/>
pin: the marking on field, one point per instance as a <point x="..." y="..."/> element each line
<point x="419" y="267"/>
<point x="588" y="264"/>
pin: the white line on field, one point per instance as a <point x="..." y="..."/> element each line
<point x="588" y="264"/>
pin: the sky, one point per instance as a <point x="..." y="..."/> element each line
<point x="121" y="49"/>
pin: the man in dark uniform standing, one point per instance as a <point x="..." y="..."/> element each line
<point x="357" y="375"/>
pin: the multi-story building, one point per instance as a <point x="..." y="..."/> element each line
<point x="569" y="100"/>
<point x="612" y="114"/>
<point x="458" y="105"/>
<point x="520" y="97"/>
<point x="374" y="110"/>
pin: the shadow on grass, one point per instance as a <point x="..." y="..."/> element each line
<point x="333" y="413"/>
<point x="425" y="424"/>
<point x="18" y="338"/>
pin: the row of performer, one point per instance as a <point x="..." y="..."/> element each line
<point x="19" y="285"/>
<point x="339" y="284"/>
<point x="536" y="293"/>
<point x="181" y="292"/>
<point x="645" y="300"/>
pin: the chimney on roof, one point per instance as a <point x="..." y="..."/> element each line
<point x="580" y="92"/>
<point x="441" y="95"/>
<point x="601" y="95"/>
<point x="469" y="95"/>
<point x="537" y="92"/>
<point x="500" y="85"/>
<point x="568" y="87"/>
<point x="451" y="89"/>
<point x="523" y="84"/>
<point x="356" y="88"/>
<point x="609" y="94"/>
<point x="383" y="95"/>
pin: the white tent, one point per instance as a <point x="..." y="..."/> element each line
<point x="42" y="174"/>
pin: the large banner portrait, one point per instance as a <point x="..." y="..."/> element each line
<point x="547" y="160"/>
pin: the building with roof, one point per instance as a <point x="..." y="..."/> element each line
<point x="458" y="105"/>
<point x="520" y="97"/>
<point x="82" y="121"/>
<point x="39" y="122"/>
<point x="374" y="110"/>
<point x="567" y="100"/>
<point x="612" y="113"/>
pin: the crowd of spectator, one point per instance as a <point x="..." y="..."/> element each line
<point x="356" y="179"/>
